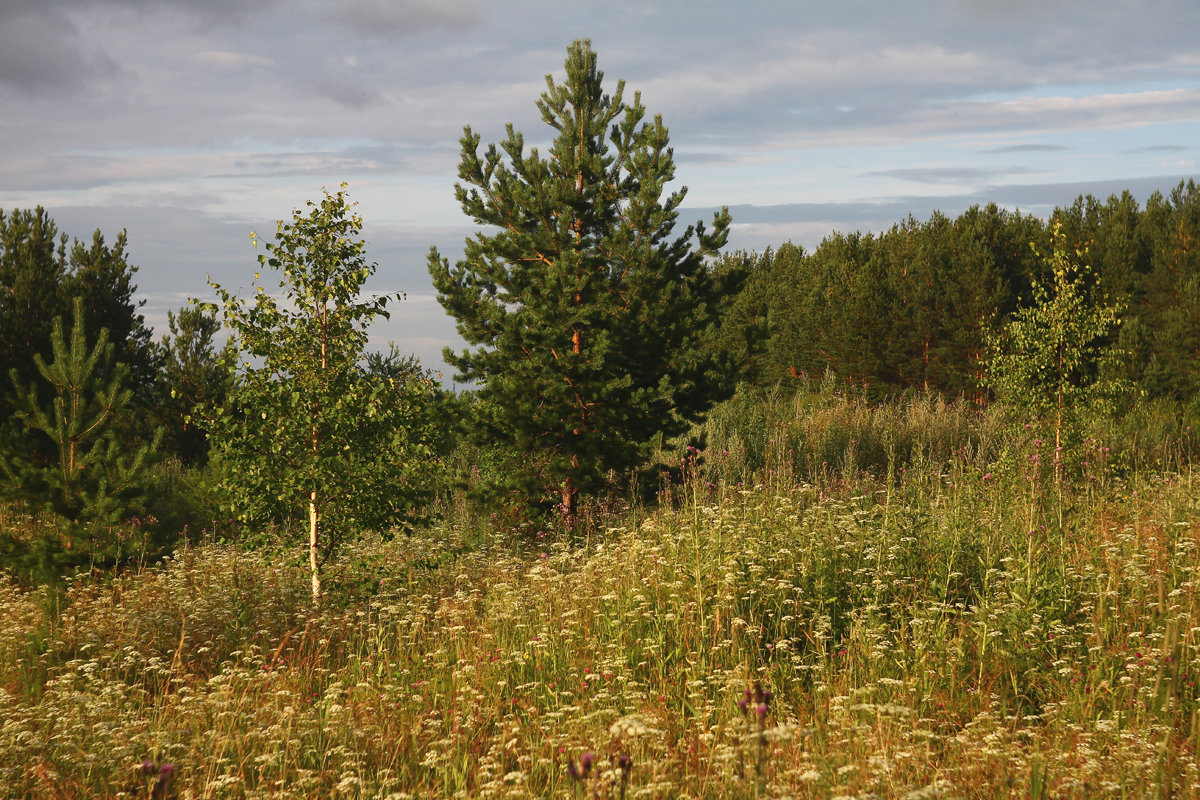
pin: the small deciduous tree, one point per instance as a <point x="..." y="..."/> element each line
<point x="594" y="323"/>
<point x="1053" y="361"/>
<point x="307" y="431"/>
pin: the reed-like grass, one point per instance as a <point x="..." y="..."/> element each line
<point x="916" y="641"/>
<point x="817" y="431"/>
<point x="917" y="616"/>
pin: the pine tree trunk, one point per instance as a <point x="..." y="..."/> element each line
<point x="569" y="496"/>
<point x="570" y="492"/>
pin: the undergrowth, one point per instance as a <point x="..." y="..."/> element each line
<point x="937" y="624"/>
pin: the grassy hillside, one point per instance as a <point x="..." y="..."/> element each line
<point x="928" y="629"/>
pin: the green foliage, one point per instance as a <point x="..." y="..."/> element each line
<point x="307" y="431"/>
<point x="911" y="307"/>
<point x="40" y="276"/>
<point x="101" y="275"/>
<point x="593" y="325"/>
<point x="33" y="266"/>
<point x="1170" y="299"/>
<point x="1055" y="361"/>
<point x="917" y="305"/>
<point x="96" y="479"/>
<point x="193" y="375"/>
<point x="762" y="327"/>
<point x="440" y="412"/>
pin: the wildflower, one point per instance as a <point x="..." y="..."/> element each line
<point x="164" y="777"/>
<point x="580" y="773"/>
<point x="628" y="726"/>
<point x="624" y="764"/>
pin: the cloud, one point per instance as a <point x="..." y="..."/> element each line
<point x="348" y="94"/>
<point x="756" y="227"/>
<point x="1122" y="108"/>
<point x="186" y="115"/>
<point x="783" y="213"/>
<point x="944" y="175"/>
<point x="387" y="18"/>
<point x="226" y="61"/>
<point x="1160" y="148"/>
<point x="1025" y="148"/>
<point x="43" y="51"/>
<point x="1024" y="115"/>
<point x="707" y="157"/>
<point x="1045" y="197"/>
<point x="913" y="69"/>
<point x="142" y="170"/>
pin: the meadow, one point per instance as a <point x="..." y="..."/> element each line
<point x="833" y="599"/>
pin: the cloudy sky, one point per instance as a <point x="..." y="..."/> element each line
<point x="191" y="123"/>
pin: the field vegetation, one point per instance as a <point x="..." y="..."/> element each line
<point x="836" y="598"/>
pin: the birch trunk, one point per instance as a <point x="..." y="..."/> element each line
<point x="312" y="548"/>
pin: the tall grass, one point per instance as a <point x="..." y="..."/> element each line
<point x="814" y="431"/>
<point x="919" y="625"/>
<point x="826" y="431"/>
<point x="925" y="643"/>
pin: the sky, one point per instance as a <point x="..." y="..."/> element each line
<point x="193" y="123"/>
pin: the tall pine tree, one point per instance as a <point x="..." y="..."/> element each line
<point x="593" y="324"/>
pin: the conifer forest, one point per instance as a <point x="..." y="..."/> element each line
<point x="909" y="514"/>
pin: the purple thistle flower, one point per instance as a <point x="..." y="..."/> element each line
<point x="166" y="777"/>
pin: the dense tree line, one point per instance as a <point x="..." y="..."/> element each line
<point x="1149" y="258"/>
<point x="915" y="306"/>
